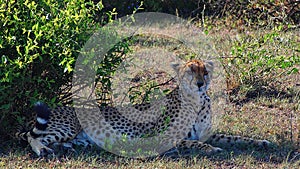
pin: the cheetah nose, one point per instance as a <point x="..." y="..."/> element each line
<point x="200" y="84"/>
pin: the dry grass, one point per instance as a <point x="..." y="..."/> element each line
<point x="273" y="115"/>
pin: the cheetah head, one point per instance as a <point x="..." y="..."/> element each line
<point x="194" y="76"/>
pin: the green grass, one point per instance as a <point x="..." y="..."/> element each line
<point x="280" y="158"/>
<point x="265" y="111"/>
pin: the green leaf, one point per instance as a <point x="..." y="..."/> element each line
<point x="294" y="70"/>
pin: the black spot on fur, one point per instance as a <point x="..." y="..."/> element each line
<point x="264" y="144"/>
<point x="228" y="139"/>
<point x="189" y="134"/>
<point x="46" y="141"/>
<point x="62" y="134"/>
<point x="56" y="138"/>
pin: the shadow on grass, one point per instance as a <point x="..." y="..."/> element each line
<point x="275" y="154"/>
<point x="260" y="91"/>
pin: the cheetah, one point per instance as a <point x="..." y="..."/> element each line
<point x="181" y="119"/>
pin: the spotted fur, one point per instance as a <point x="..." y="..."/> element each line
<point x="181" y="119"/>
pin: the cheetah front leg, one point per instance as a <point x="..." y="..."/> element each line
<point x="231" y="140"/>
<point x="38" y="147"/>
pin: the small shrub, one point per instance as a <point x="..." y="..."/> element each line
<point x="260" y="62"/>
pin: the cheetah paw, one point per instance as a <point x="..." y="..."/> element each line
<point x="45" y="151"/>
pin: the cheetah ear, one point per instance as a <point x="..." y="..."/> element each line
<point x="209" y="65"/>
<point x="176" y="66"/>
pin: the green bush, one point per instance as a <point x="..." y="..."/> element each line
<point x="260" y="63"/>
<point x="39" y="43"/>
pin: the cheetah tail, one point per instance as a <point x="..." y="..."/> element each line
<point x="42" y="116"/>
<point x="41" y="122"/>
